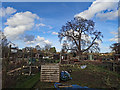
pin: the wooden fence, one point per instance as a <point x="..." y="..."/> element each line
<point x="50" y="73"/>
<point x="18" y="69"/>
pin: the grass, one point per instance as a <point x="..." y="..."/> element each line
<point x="28" y="82"/>
<point x="93" y="77"/>
<point x="99" y="77"/>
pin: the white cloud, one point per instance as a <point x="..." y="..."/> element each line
<point x="114" y="33"/>
<point x="47" y="42"/>
<point x="19" y="23"/>
<point x="40" y="24"/>
<point x="28" y="38"/>
<point x="116" y="36"/>
<point x="54" y="33"/>
<point x="39" y="41"/>
<point x="7" y="11"/>
<point x="104" y="48"/>
<point x="43" y="25"/>
<point x="108" y="16"/>
<point x="115" y="39"/>
<point x="98" y="7"/>
<point x="30" y="42"/>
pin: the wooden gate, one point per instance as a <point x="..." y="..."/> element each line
<point x="50" y="73"/>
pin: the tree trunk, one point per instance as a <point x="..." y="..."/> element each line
<point x="80" y="56"/>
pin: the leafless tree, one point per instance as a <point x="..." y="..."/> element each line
<point x="81" y="35"/>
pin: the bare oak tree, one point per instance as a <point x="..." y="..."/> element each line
<point x="81" y="35"/>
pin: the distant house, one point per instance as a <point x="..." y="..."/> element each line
<point x="39" y="55"/>
<point x="45" y="57"/>
<point x="13" y="47"/>
<point x="56" y="56"/>
<point x="13" y="50"/>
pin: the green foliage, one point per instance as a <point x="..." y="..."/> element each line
<point x="52" y="50"/>
<point x="116" y="48"/>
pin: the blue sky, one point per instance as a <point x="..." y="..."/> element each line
<point x="52" y="15"/>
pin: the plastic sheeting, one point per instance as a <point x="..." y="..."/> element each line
<point x="65" y="76"/>
<point x="68" y="87"/>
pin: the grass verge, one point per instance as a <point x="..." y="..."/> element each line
<point x="29" y="82"/>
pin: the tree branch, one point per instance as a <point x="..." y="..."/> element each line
<point x="91" y="44"/>
<point x="73" y="39"/>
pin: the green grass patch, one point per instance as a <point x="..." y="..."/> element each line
<point x="28" y="82"/>
<point x="95" y="68"/>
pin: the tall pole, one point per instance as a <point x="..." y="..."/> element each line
<point x="60" y="58"/>
<point x="31" y="63"/>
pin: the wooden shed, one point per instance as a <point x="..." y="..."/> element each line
<point x="50" y="73"/>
